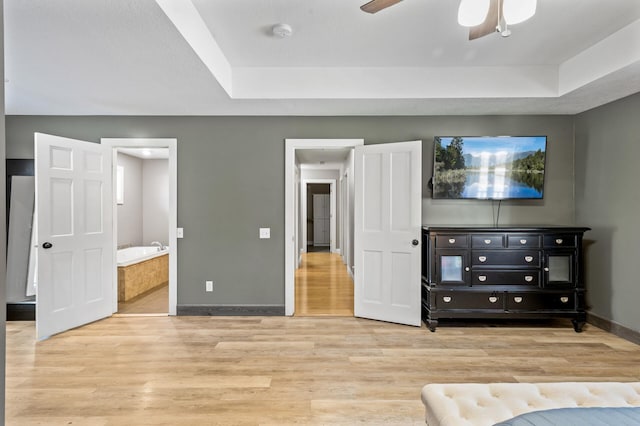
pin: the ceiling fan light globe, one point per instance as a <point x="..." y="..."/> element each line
<point x="516" y="11"/>
<point x="472" y="12"/>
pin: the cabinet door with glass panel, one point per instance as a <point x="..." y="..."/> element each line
<point x="559" y="268"/>
<point x="452" y="267"/>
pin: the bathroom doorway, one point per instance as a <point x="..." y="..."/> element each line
<point x="142" y="238"/>
<point x="144" y="226"/>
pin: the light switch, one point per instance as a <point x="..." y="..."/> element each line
<point x="265" y="233"/>
<point x="180" y="233"/>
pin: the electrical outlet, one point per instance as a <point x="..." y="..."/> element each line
<point x="180" y="233"/>
<point x="265" y="233"/>
<point x="208" y="285"/>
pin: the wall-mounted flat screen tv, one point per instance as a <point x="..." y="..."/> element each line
<point x="489" y="167"/>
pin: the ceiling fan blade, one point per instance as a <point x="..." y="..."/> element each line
<point x="490" y="23"/>
<point x="377" y="5"/>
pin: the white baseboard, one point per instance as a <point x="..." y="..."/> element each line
<point x="350" y="272"/>
<point x="337" y="251"/>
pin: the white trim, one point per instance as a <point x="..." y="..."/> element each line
<point x="337" y="251"/>
<point x="172" y="145"/>
<point x="289" y="206"/>
<point x="351" y="273"/>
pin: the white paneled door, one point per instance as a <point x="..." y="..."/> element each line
<point x="74" y="233"/>
<point x="321" y="220"/>
<point x="388" y="216"/>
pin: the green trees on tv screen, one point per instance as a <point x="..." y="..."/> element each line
<point x="451" y="157"/>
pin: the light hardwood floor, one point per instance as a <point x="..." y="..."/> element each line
<point x="323" y="286"/>
<point x="153" y="302"/>
<point x="281" y="371"/>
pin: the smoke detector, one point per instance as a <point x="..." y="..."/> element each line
<point x="282" y="30"/>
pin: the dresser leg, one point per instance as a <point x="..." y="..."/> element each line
<point x="578" y="323"/>
<point x="432" y="324"/>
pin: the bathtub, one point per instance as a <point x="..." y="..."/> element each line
<point x="131" y="255"/>
<point x="141" y="270"/>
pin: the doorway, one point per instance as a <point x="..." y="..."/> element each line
<point x="318" y="207"/>
<point x="150" y="248"/>
<point x="318" y="217"/>
<point x="142" y="230"/>
<point x="316" y="272"/>
<point x="323" y="286"/>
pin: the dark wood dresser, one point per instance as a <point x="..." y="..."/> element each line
<point x="502" y="272"/>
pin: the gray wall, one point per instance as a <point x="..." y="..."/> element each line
<point x="608" y="201"/>
<point x="155" y="201"/>
<point x="231" y="182"/>
<point x="130" y="212"/>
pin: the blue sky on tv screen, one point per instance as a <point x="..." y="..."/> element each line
<point x="474" y="145"/>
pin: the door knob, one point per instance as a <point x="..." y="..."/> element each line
<point x="47" y="245"/>
<point x="415" y="242"/>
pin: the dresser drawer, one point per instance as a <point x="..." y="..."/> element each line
<point x="539" y="301"/>
<point x="487" y="241"/>
<point x="560" y="240"/>
<point x="452" y="241"/>
<point x="528" y="278"/>
<point x="469" y="300"/>
<point x="514" y="258"/>
<point x="523" y="241"/>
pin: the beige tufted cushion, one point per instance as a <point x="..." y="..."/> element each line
<point x="474" y="404"/>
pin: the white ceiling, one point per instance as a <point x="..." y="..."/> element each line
<point x="218" y="57"/>
<point x="146" y="153"/>
<point x="328" y="156"/>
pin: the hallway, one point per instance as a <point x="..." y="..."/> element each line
<point x="323" y="286"/>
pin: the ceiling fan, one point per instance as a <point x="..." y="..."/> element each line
<point x="483" y="17"/>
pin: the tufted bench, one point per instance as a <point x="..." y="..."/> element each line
<point x="475" y="404"/>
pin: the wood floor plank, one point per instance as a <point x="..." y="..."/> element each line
<point x="282" y="370"/>
<point x="323" y="286"/>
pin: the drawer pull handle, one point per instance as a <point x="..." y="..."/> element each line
<point x="528" y="278"/>
<point x="523" y="241"/>
<point x="493" y="299"/>
<point x="466" y="269"/>
<point x="446" y="299"/>
<point x="528" y="259"/>
<point x="482" y="278"/>
<point x="517" y="299"/>
<point x="546" y="269"/>
<point x="482" y="258"/>
<point x="487" y="241"/>
<point x="558" y="240"/>
<point x="564" y="299"/>
<point x="452" y="240"/>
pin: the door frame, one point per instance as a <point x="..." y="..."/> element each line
<point x="171" y="144"/>
<point x="291" y="145"/>
<point x="332" y="207"/>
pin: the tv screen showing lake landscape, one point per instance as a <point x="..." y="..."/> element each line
<point x="489" y="168"/>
